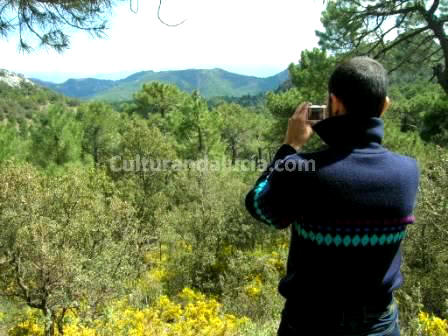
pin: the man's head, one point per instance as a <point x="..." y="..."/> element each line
<point x="358" y="86"/>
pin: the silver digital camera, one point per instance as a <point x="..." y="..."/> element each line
<point x="317" y="112"/>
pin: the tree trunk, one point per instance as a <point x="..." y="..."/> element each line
<point x="260" y="156"/>
<point x="95" y="146"/>
<point x="440" y="71"/>
<point x="234" y="153"/>
<point x="49" y="322"/>
<point x="442" y="76"/>
<point x="160" y="249"/>
<point x="60" y="322"/>
<point x="200" y="141"/>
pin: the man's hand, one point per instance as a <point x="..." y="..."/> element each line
<point x="299" y="127"/>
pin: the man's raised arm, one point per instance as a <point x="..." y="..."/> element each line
<point x="271" y="199"/>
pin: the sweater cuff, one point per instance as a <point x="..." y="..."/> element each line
<point x="284" y="151"/>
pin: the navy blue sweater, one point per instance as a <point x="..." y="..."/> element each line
<point x="347" y="207"/>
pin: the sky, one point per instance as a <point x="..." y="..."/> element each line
<point x="251" y="37"/>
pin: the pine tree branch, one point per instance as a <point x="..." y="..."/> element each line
<point x="167" y="24"/>
<point x="401" y="40"/>
<point x="434" y="7"/>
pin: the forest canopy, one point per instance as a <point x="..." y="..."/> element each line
<point x="375" y="28"/>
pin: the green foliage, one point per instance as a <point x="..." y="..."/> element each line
<point x="11" y="144"/>
<point x="186" y="117"/>
<point x="253" y="276"/>
<point x="210" y="222"/>
<point x="421" y="107"/>
<point x="415" y="29"/>
<point x="403" y="63"/>
<point x="266" y="328"/>
<point x="157" y="97"/>
<point x="24" y="101"/>
<point x="282" y="105"/>
<point x="246" y="100"/>
<point x="45" y="23"/>
<point x="66" y="240"/>
<point x="100" y="125"/>
<point x="436" y="124"/>
<point x="141" y="173"/>
<point x="407" y="143"/>
<point x="243" y="130"/>
<point x="198" y="133"/>
<point x="425" y="250"/>
<point x="311" y="75"/>
<point x="55" y="138"/>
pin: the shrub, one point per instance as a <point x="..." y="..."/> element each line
<point x="432" y="325"/>
<point x="190" y="313"/>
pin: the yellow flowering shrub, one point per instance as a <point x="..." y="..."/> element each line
<point x="156" y="256"/>
<point x="186" y="246"/>
<point x="31" y="325"/>
<point x="156" y="274"/>
<point x="150" y="285"/>
<point x="228" y="250"/>
<point x="190" y="313"/>
<point x="253" y="289"/>
<point x="282" y="243"/>
<point x="78" y="330"/>
<point x="433" y="325"/>
<point x="275" y="256"/>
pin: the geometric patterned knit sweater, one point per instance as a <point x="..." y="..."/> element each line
<point x="347" y="207"/>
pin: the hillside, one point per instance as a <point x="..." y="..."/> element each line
<point x="79" y="88"/>
<point x="20" y="97"/>
<point x="210" y="83"/>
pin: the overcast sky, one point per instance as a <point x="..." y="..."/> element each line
<point x="252" y="37"/>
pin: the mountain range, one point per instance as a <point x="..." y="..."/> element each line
<point x="209" y="82"/>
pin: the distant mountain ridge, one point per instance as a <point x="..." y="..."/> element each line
<point x="209" y="82"/>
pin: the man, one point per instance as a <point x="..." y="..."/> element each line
<point x="347" y="207"/>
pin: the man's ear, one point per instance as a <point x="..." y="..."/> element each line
<point x="337" y="106"/>
<point x="385" y="106"/>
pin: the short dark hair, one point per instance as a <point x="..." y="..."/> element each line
<point x="361" y="84"/>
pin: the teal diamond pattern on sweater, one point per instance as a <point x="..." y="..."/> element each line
<point x="337" y="240"/>
<point x="356" y="240"/>
<point x="347" y="240"/>
<point x="365" y="240"/>
<point x="328" y="239"/>
<point x="304" y="234"/>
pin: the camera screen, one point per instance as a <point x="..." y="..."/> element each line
<point x="316" y="113"/>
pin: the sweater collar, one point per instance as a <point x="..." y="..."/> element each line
<point x="350" y="130"/>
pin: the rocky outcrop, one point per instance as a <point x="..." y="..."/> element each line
<point x="13" y="79"/>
